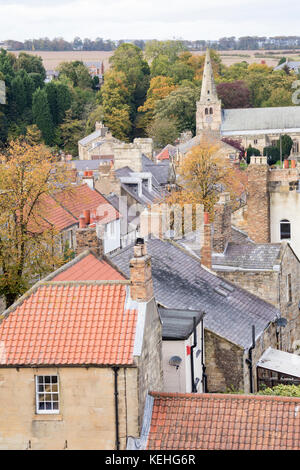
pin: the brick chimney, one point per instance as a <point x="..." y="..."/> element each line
<point x="258" y="200"/>
<point x="222" y="223"/>
<point x="206" y="250"/>
<point x="87" y="239"/>
<point x="141" y="288"/>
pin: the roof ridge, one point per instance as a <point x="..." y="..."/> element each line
<point x="224" y="396"/>
<point x="86" y="283"/>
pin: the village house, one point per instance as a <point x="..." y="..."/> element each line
<point x="268" y="270"/>
<point x="218" y="422"/>
<point x="231" y="350"/>
<point x="78" y="354"/>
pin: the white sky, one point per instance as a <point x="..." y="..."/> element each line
<point x="147" y="19"/>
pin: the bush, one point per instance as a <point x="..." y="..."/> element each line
<point x="282" y="390"/>
<point x="273" y="154"/>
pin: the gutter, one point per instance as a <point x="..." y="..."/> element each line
<point x="249" y="359"/>
<point x="116" y="369"/>
<point x="194" y="387"/>
<point x="204" y="376"/>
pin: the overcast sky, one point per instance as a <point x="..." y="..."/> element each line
<point x="147" y="19"/>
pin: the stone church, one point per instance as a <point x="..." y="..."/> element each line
<point x="260" y="127"/>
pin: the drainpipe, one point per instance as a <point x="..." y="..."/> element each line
<point x="204" y="376"/>
<point x="116" y="369"/>
<point x="249" y="359"/>
<point x="194" y="388"/>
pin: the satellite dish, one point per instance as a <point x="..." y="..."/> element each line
<point x="175" y="361"/>
<point x="282" y="322"/>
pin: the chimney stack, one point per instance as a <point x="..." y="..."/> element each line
<point x="141" y="287"/>
<point x="87" y="239"/>
<point x="258" y="200"/>
<point x="206" y="250"/>
<point x="222" y="223"/>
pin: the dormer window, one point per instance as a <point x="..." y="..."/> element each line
<point x="285" y="229"/>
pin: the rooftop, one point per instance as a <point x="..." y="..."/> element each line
<point x="280" y="361"/>
<point x="220" y="422"/>
<point x="180" y="282"/>
<point x="249" y="256"/>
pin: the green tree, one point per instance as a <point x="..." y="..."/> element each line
<point x="31" y="64"/>
<point x="77" y="73"/>
<point x="282" y="390"/>
<point x="71" y="131"/>
<point x="179" y="105"/>
<point x="42" y="116"/>
<point x="163" y="131"/>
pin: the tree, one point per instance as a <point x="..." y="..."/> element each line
<point x="252" y="151"/>
<point x="201" y="174"/>
<point x="286" y="145"/>
<point x="31" y="64"/>
<point x="160" y="87"/>
<point x="27" y="242"/>
<point x="179" y="105"/>
<point x="71" y="131"/>
<point x="128" y="60"/>
<point x="234" y="95"/>
<point x="42" y="115"/>
<point x="163" y="131"/>
<point x="272" y="153"/>
<point x="77" y="73"/>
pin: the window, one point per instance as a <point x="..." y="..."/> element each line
<point x="289" y="287"/>
<point x="255" y="141"/>
<point x="47" y="394"/>
<point x="285" y="229"/>
<point x="206" y="110"/>
<point x="211" y="111"/>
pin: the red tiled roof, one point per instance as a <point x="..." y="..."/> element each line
<point x="89" y="268"/>
<point x="67" y="324"/>
<point x="80" y="198"/>
<point x="56" y="215"/>
<point x="224" y="422"/>
<point x="164" y="154"/>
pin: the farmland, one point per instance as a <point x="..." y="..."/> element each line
<point x="53" y="59"/>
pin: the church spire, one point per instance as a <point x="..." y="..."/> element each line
<point x="208" y="90"/>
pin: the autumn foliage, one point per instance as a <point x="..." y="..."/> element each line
<point x="27" y="242"/>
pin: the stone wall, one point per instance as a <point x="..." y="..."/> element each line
<point x="87" y="409"/>
<point x="224" y="363"/>
<point x="258" y="201"/>
<point x="150" y="366"/>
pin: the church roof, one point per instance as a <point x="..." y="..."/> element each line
<point x="260" y="120"/>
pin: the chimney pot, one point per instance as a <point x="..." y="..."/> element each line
<point x="82" y="223"/>
<point x="206" y="218"/>
<point x="87" y="216"/>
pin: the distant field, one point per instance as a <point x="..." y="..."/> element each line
<point x="53" y="59"/>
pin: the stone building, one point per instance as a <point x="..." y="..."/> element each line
<point x="258" y="127"/>
<point x="100" y="143"/>
<point x="78" y="355"/>
<point x="180" y="282"/>
<point x="273" y="203"/>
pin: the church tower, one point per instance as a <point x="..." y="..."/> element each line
<point x="209" y="114"/>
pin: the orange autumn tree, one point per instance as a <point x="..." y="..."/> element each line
<point x="27" y="241"/>
<point x="203" y="173"/>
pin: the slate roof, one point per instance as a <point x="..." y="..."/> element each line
<point x="249" y="256"/>
<point x="280" y="361"/>
<point x="67" y="323"/>
<point x="222" y="422"/>
<point x="178" y="324"/>
<point x="260" y="119"/>
<point x="180" y="282"/>
<point x="94" y="135"/>
<point x="160" y="171"/>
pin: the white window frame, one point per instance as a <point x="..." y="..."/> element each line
<point x="38" y="392"/>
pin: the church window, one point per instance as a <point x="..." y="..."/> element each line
<point x="255" y="141"/>
<point x="285" y="229"/>
<point x="206" y="110"/>
<point x="211" y="111"/>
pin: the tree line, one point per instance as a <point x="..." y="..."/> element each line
<point x="100" y="44"/>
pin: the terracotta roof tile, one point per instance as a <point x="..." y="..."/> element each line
<point x="224" y="422"/>
<point x="89" y="268"/>
<point x="80" y="198"/>
<point x="70" y="324"/>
